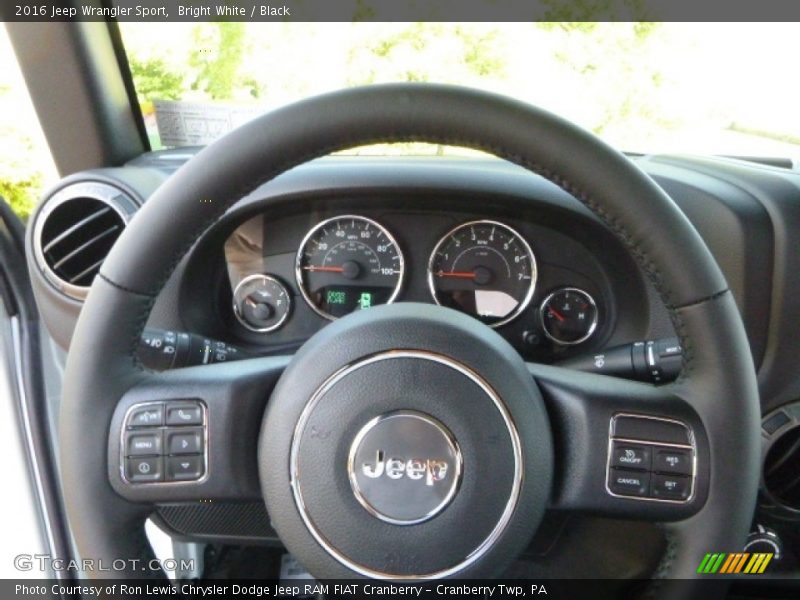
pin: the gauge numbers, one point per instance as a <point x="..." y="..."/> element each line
<point x="348" y="263"/>
<point x="485" y="269"/>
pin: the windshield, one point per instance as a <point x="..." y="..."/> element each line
<point x="644" y="87"/>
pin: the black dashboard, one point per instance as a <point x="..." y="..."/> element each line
<point x="745" y="211"/>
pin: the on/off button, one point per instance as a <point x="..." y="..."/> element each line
<point x="631" y="456"/>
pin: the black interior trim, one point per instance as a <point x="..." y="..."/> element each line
<point x="127" y="78"/>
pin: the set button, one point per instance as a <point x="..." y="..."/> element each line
<point x="164" y="441"/>
<point x="670" y="487"/>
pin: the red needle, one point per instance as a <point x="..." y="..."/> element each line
<point x="556" y="314"/>
<point x="325" y="269"/>
<point x="461" y="274"/>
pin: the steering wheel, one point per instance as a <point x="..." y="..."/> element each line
<point x="410" y="441"/>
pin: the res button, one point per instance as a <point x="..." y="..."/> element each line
<point x="673" y="461"/>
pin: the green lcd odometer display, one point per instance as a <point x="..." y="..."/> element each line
<point x="348" y="263"/>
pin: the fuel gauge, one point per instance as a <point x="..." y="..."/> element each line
<point x="569" y="316"/>
<point x="261" y="303"/>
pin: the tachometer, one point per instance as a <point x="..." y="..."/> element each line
<point x="348" y="263"/>
<point x="485" y="269"/>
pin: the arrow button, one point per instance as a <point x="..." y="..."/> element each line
<point x="185" y="440"/>
<point x="185" y="468"/>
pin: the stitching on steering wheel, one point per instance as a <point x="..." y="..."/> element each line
<point x="663" y="568"/>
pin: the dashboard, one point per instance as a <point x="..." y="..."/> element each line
<point x="427" y="210"/>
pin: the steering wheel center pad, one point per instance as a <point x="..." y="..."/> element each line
<point x="395" y="359"/>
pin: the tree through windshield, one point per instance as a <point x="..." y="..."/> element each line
<point x="644" y="87"/>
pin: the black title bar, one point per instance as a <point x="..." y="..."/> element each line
<point x="399" y="10"/>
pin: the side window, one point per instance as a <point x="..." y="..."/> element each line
<point x="26" y="166"/>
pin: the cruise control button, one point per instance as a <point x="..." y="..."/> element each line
<point x="184" y="414"/>
<point x="185" y="441"/>
<point x="673" y="461"/>
<point x="143" y="443"/>
<point x="630" y="456"/>
<point x="147" y="416"/>
<point x="144" y="469"/>
<point x="185" y="468"/>
<point x="670" y="487"/>
<point x="628" y="483"/>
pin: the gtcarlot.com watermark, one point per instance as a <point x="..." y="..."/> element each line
<point x="45" y="562"/>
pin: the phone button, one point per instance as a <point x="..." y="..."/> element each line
<point x="184" y="414"/>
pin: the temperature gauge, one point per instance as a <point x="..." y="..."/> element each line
<point x="569" y="316"/>
<point x="261" y="303"/>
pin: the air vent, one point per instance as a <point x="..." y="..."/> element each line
<point x="782" y="469"/>
<point x="75" y="232"/>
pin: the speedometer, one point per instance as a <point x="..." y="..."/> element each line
<point x="348" y="263"/>
<point x="485" y="269"/>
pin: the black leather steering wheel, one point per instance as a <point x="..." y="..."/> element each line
<point x="537" y="436"/>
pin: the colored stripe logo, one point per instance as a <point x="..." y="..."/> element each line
<point x="736" y="562"/>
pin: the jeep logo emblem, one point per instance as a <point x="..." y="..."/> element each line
<point x="404" y="467"/>
<point x="413" y="468"/>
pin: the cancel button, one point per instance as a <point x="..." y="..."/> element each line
<point x="628" y="483"/>
<point x="630" y="456"/>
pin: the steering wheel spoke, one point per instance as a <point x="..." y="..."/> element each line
<point x="191" y="434"/>
<point x="626" y="449"/>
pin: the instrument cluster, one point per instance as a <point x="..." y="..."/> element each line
<point x="484" y="268"/>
